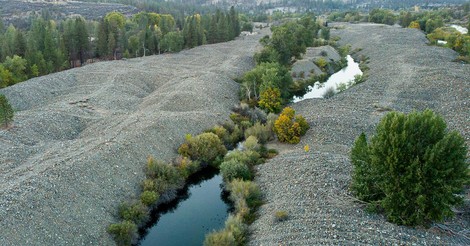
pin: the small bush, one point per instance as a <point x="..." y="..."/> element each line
<point x="6" y="111"/>
<point x="235" y="134"/>
<point x="186" y="166"/>
<point x="341" y="87"/>
<point x="288" y="127"/>
<point x="413" y="168"/>
<point x="234" y="169"/>
<point x="281" y="215"/>
<point x="235" y="225"/>
<point x="263" y="132"/>
<point x="321" y="63"/>
<point x="233" y="234"/>
<point x="149" y="198"/>
<point x="163" y="172"/>
<point x="251" y="143"/>
<point x="359" y="79"/>
<point x="329" y="93"/>
<point x="206" y="147"/>
<point x="251" y="114"/>
<point x="248" y="191"/>
<point x="136" y="212"/>
<point x="124" y="233"/>
<point x="220" y="238"/>
<point x="304" y="126"/>
<point x="250" y="158"/>
<point x="148" y="185"/>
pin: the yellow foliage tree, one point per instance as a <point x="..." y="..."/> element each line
<point x="414" y="24"/>
<point x="289" y="127"/>
<point x="270" y="100"/>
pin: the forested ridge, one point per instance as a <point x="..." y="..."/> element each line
<point x="48" y="45"/>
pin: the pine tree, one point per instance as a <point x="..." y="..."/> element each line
<point x="416" y="168"/>
<point x="6" y="111"/>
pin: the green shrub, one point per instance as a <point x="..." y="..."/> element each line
<point x="341" y="87"/>
<point x="413" y="167"/>
<point x="248" y="191"/>
<point x="281" y="215"/>
<point x="363" y="184"/>
<point x="250" y="158"/>
<point x="149" y="198"/>
<point x="163" y="172"/>
<point x="252" y="114"/>
<point x="136" y="212"/>
<point x="251" y="143"/>
<point x="359" y="79"/>
<point x="329" y="93"/>
<point x="288" y="127"/>
<point x="206" y="147"/>
<point x="6" y="111"/>
<point x="232" y="134"/>
<point x="186" y="166"/>
<point x="220" y="131"/>
<point x="263" y="132"/>
<point x="234" y="169"/>
<point x="124" y="233"/>
<point x="234" y="233"/>
<point x="304" y="126"/>
<point x="220" y="238"/>
<point x="148" y="185"/>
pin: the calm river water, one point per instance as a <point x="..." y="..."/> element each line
<point x="200" y="209"/>
<point x="343" y="76"/>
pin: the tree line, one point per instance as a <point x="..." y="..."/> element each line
<point x="48" y="46"/>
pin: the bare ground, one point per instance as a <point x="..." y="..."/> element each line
<point x="405" y="74"/>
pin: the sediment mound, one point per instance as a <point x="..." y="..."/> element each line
<point x="80" y="138"/>
<point x="405" y="74"/>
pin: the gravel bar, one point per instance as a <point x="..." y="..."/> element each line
<point x="405" y="74"/>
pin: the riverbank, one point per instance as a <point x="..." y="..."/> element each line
<point x="80" y="138"/>
<point x="312" y="187"/>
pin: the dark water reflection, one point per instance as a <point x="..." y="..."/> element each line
<point x="201" y="207"/>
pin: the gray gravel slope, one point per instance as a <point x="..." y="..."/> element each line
<point x="80" y="138"/>
<point x="405" y="74"/>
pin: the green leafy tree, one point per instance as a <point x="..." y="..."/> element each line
<point x="6" y="111"/>
<point x="17" y="66"/>
<point x="6" y="79"/>
<point x="413" y="168"/>
<point x="173" y="42"/>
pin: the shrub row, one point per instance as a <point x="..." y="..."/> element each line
<point x="160" y="178"/>
<point x="246" y="196"/>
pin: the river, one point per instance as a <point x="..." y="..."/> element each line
<point x="201" y="208"/>
<point x="343" y="76"/>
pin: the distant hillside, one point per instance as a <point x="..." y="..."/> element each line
<point x="322" y="4"/>
<point x="18" y="11"/>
